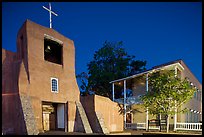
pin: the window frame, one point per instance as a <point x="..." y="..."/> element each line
<point x="52" y="78"/>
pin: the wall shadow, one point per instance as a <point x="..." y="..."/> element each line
<point x="88" y="103"/>
<point x="13" y="119"/>
<point x="78" y="124"/>
<point x="12" y="113"/>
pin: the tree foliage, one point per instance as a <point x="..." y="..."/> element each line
<point x="167" y="93"/>
<point x="110" y="62"/>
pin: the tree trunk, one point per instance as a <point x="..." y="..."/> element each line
<point x="167" y="124"/>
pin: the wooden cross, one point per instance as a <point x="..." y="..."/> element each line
<point x="51" y="12"/>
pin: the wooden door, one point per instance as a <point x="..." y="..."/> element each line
<point x="46" y="121"/>
<point x="52" y="121"/>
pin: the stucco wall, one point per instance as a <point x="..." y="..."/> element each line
<point x="27" y="73"/>
<point x="41" y="71"/>
<point x="109" y="110"/>
<point x="11" y="105"/>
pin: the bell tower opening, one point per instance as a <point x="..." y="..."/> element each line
<point x="53" y="51"/>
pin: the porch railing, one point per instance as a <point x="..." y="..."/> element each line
<point x="136" y="125"/>
<point x="140" y="126"/>
<point x="179" y="126"/>
<point x="189" y="126"/>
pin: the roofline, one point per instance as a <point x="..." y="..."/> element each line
<point x="191" y="72"/>
<point x="28" y="21"/>
<point x="150" y="70"/>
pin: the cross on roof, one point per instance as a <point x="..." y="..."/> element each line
<point x="51" y="12"/>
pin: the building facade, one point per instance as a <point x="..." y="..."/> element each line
<point x="39" y="88"/>
<point x="135" y="116"/>
<point x="40" y="91"/>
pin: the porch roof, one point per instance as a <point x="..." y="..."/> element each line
<point x="177" y="62"/>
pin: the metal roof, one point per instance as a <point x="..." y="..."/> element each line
<point x="177" y="62"/>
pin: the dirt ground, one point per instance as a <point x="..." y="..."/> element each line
<point x="80" y="133"/>
<point x="125" y="132"/>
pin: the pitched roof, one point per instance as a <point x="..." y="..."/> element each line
<point x="149" y="70"/>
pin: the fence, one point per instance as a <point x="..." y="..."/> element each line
<point x="189" y="126"/>
<point x="139" y="126"/>
<point x="179" y="126"/>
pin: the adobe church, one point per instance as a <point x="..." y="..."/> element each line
<point x="39" y="88"/>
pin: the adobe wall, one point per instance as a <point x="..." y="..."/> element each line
<point x="88" y="103"/>
<point x="11" y="104"/>
<point x="40" y="71"/>
<point x="9" y="72"/>
<point x="35" y="77"/>
<point x="27" y="74"/>
<point x="109" y="110"/>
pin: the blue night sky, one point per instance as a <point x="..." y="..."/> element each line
<point x="157" y="32"/>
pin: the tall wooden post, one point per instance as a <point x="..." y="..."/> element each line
<point x="147" y="108"/>
<point x="175" y="115"/>
<point x="125" y="104"/>
<point x="113" y="92"/>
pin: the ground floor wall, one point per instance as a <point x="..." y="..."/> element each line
<point x="67" y="118"/>
<point x="111" y="112"/>
<point x="23" y="114"/>
<point x="101" y="108"/>
<point x="194" y="115"/>
<point x="12" y="115"/>
<point x="137" y="114"/>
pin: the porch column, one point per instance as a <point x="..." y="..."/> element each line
<point x="113" y="92"/>
<point x="175" y="115"/>
<point x="175" y="119"/>
<point x="125" y="104"/>
<point x="147" y="108"/>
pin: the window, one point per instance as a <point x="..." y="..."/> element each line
<point x="191" y="117"/>
<point x="195" y="93"/>
<point x="54" y="85"/>
<point x="196" y="117"/>
<point x="187" y="115"/>
<point x="198" y="95"/>
<point x="52" y="51"/>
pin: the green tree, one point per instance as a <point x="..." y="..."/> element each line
<point x="109" y="63"/>
<point x="84" y="88"/>
<point x="167" y="93"/>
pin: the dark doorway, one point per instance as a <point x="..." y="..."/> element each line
<point x="53" y="116"/>
<point x="128" y="117"/>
